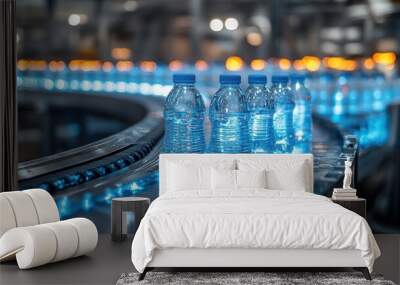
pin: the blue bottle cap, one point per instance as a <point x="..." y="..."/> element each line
<point x="280" y="79"/>
<point x="297" y="77"/>
<point x="229" y="79"/>
<point x="184" y="78"/>
<point x="257" y="79"/>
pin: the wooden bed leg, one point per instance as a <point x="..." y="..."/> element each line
<point x="364" y="271"/>
<point x="143" y="274"/>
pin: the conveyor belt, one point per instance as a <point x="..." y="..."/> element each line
<point x="73" y="168"/>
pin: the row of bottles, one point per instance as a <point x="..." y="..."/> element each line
<point x="351" y="93"/>
<point x="357" y="102"/>
<point x="259" y="120"/>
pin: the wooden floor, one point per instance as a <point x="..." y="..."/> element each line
<point x="110" y="260"/>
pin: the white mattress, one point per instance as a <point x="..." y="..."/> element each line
<point x="252" y="219"/>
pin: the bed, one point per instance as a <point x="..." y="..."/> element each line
<point x="242" y="211"/>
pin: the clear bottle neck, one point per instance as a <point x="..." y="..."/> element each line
<point x="223" y="85"/>
<point x="189" y="85"/>
<point x="258" y="85"/>
<point x="279" y="85"/>
<point x="298" y="84"/>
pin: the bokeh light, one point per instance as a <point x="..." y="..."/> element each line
<point x="284" y="64"/>
<point x="107" y="66"/>
<point x="148" y="65"/>
<point x="385" y="58"/>
<point x="124" y="65"/>
<point x="216" y="25"/>
<point x="254" y="38"/>
<point x="121" y="53"/>
<point x="258" y="64"/>
<point x="311" y="63"/>
<point x="231" y="24"/>
<point x="175" y="65"/>
<point x="369" y="64"/>
<point x="234" y="63"/>
<point x="298" y="65"/>
<point x="201" y="65"/>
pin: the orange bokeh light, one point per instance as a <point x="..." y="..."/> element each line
<point x="175" y="65"/>
<point x="55" y="65"/>
<point x="311" y="63"/>
<point x="284" y="64"/>
<point x="90" y="65"/>
<point x="75" y="64"/>
<point x="201" y="65"/>
<point x="385" y="58"/>
<point x="258" y="64"/>
<point x="107" y="66"/>
<point x="350" y="65"/>
<point x="148" y="65"/>
<point x="340" y="63"/>
<point x="124" y="65"/>
<point x="335" y="62"/>
<point x="298" y="64"/>
<point x="234" y="63"/>
<point x="22" y="64"/>
<point x="121" y="53"/>
<point x="37" y="65"/>
<point x="369" y="63"/>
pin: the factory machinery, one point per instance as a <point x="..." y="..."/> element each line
<point x="83" y="179"/>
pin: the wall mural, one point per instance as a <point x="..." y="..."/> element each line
<point x="109" y="145"/>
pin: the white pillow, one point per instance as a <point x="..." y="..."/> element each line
<point x="281" y="174"/>
<point x="223" y="179"/>
<point x="291" y="180"/>
<point x="182" y="177"/>
<point x="251" y="178"/>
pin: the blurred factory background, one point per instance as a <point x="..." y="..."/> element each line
<point x="203" y="29"/>
<point x="92" y="76"/>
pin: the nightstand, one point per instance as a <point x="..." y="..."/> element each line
<point x="358" y="205"/>
<point x="119" y="208"/>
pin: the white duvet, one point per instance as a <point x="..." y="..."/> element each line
<point x="250" y="219"/>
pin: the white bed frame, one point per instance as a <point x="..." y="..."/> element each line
<point x="251" y="258"/>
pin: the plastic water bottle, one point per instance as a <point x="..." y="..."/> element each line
<point x="355" y="94"/>
<point x="367" y="94"/>
<point x="260" y="107"/>
<point x="302" y="115"/>
<point x="228" y="117"/>
<point x="340" y="102"/>
<point x="382" y="92"/>
<point x="184" y="114"/>
<point x="323" y="93"/>
<point x="283" y="117"/>
<point x="396" y="89"/>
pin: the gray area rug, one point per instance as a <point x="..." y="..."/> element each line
<point x="229" y="278"/>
